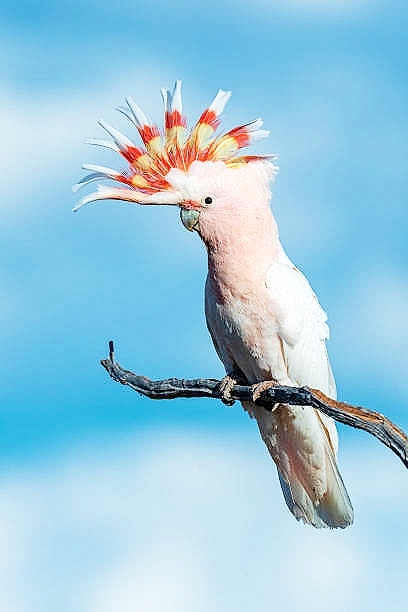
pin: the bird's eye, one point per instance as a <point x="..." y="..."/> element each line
<point x="207" y="200"/>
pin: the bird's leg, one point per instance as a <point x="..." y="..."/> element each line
<point x="227" y="383"/>
<point x="258" y="388"/>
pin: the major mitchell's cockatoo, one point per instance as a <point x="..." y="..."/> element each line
<point x="263" y="317"/>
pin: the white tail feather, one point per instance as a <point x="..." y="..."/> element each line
<point x="311" y="483"/>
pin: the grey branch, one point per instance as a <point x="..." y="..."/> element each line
<point x="355" y="416"/>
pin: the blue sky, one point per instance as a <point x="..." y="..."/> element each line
<point x="108" y="499"/>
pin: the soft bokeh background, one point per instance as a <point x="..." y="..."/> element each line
<point x="109" y="502"/>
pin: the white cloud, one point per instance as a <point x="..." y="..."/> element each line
<point x="168" y="577"/>
<point x="169" y="522"/>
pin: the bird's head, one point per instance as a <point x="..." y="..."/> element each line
<point x="197" y="170"/>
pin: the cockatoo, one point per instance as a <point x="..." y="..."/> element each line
<point x="264" y="319"/>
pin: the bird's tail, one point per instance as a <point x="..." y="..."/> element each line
<point x="300" y="440"/>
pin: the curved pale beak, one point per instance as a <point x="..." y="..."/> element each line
<point x="190" y="218"/>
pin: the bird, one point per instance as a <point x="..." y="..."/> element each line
<point x="264" y="319"/>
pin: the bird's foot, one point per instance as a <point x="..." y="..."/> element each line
<point x="260" y="387"/>
<point x="227" y="384"/>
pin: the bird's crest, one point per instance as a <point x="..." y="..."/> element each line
<point x="145" y="178"/>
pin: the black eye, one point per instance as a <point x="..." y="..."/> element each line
<point x="207" y="200"/>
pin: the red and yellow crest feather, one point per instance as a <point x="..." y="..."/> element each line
<point x="145" y="178"/>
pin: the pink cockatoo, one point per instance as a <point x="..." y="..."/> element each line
<point x="263" y="317"/>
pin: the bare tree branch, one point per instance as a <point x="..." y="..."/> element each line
<point x="355" y="416"/>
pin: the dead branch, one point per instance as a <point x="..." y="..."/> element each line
<point x="374" y="423"/>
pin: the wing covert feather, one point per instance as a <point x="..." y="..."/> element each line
<point x="302" y="327"/>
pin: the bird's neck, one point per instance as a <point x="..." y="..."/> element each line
<point x="238" y="259"/>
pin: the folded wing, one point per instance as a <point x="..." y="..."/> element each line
<point x="302" y="441"/>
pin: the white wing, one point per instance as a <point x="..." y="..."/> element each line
<point x="303" y="331"/>
<point x="302" y="441"/>
<point x="302" y="328"/>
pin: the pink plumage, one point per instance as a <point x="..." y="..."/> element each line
<point x="263" y="317"/>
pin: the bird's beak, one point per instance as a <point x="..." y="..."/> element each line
<point x="190" y="218"/>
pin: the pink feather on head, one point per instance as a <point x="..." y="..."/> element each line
<point x="144" y="179"/>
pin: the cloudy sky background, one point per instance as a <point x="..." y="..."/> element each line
<point x="111" y="502"/>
